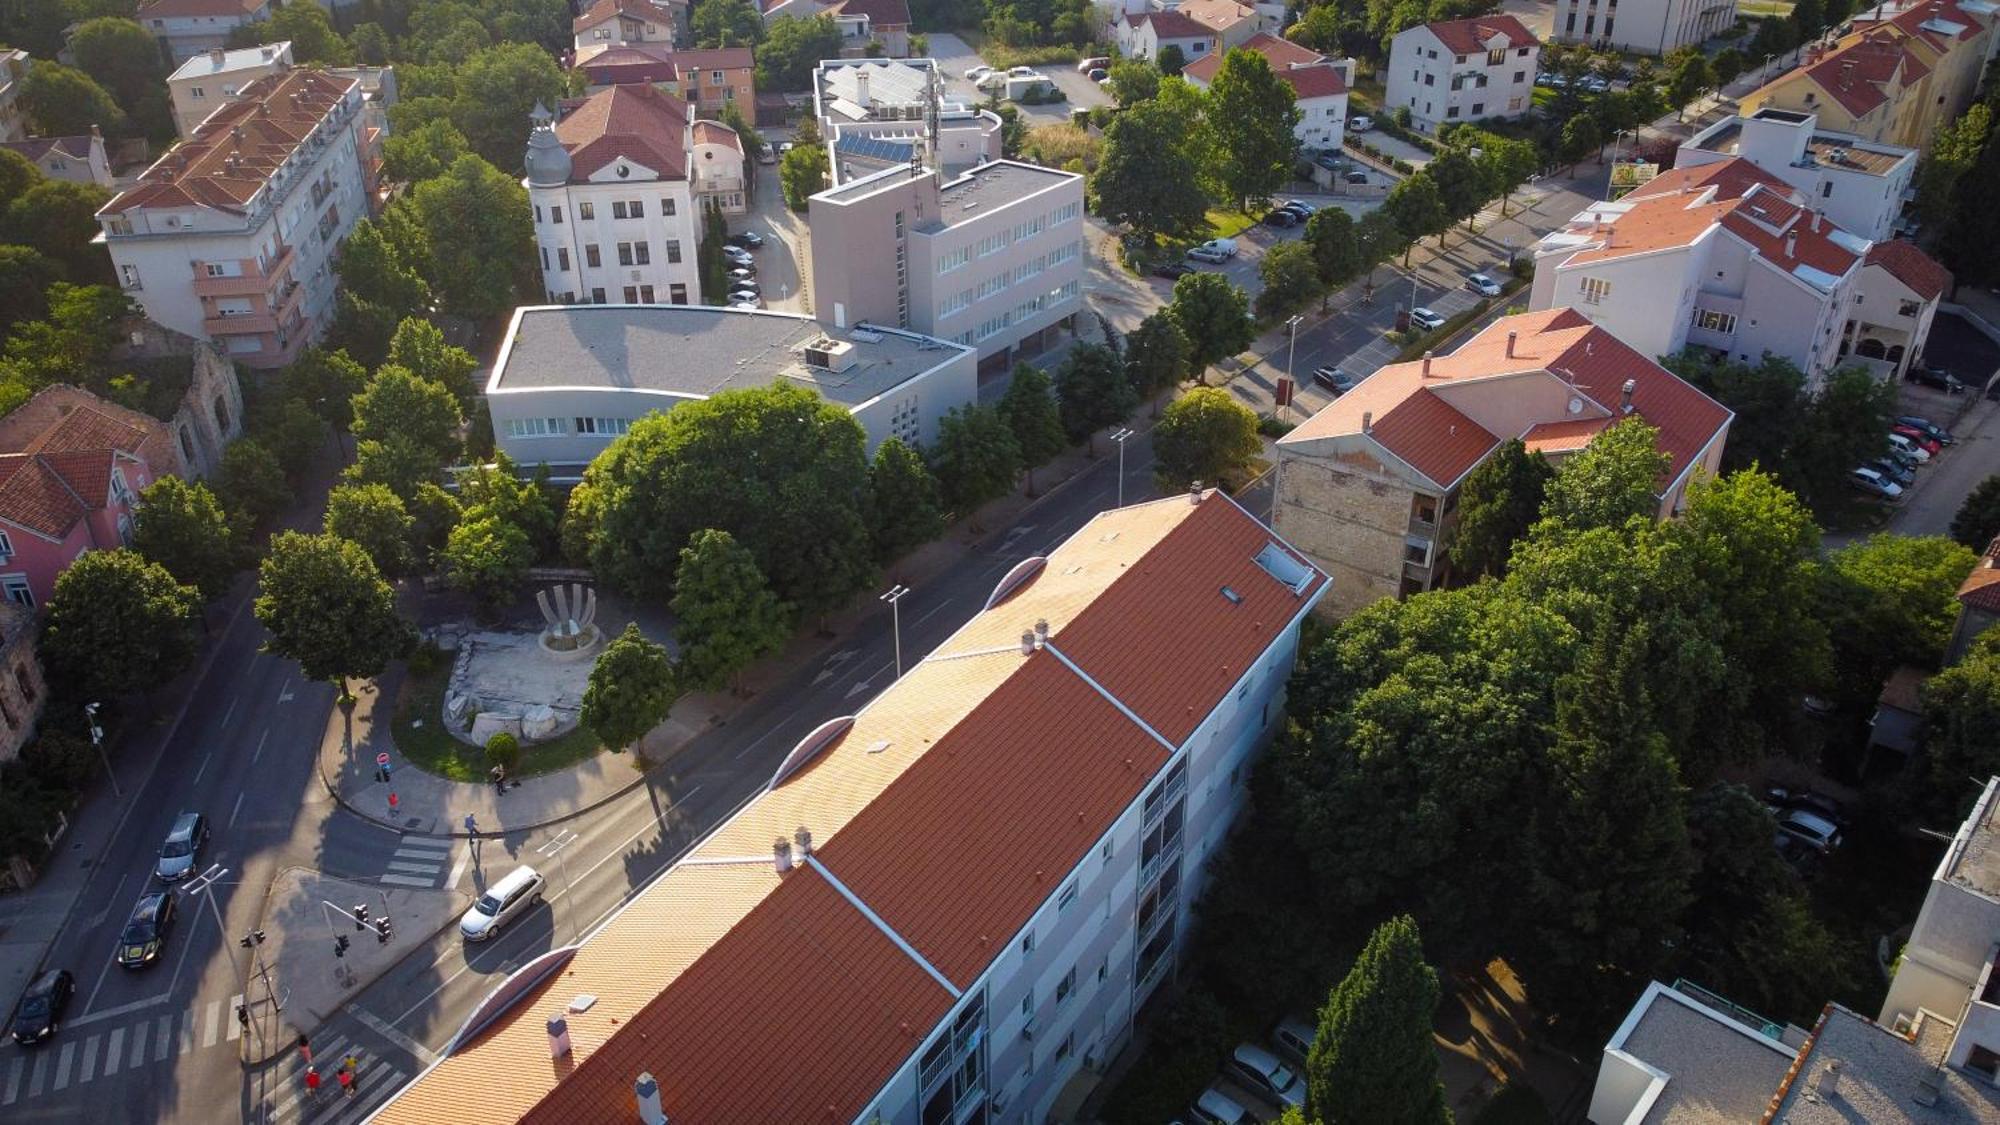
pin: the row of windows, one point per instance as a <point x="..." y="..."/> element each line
<point x="557" y="427"/>
<point x="620" y="209"/>
<point x="996" y="324"/>
<point x="959" y="301"/>
<point x="629" y="254"/>
<point x="677" y="294"/>
<point x="998" y="241"/>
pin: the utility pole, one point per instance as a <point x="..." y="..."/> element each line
<point x="556" y="847"/>
<point x="97" y="740"/>
<point x="1291" y="352"/>
<point x="204" y="885"/>
<point x="894" y="596"/>
<point x="1120" y="435"/>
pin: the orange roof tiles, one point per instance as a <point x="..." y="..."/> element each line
<point x="33" y="495"/>
<point x="1470" y="36"/>
<point x="1217" y="15"/>
<point x="1563" y="437"/>
<point x="1169" y="25"/>
<point x="234" y="153"/>
<point x="1282" y="54"/>
<point x="183" y="9"/>
<point x="1859" y="75"/>
<point x="85" y="427"/>
<point x="1981" y="588"/>
<point x="635" y="123"/>
<point x="630" y="9"/>
<point x="1683" y="206"/>
<point x="1911" y="266"/>
<point x="715" y="133"/>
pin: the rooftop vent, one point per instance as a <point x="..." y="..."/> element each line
<point x="1194" y="493"/>
<point x="1027" y="642"/>
<point x="781" y="855"/>
<point x="1367" y="421"/>
<point x="1234" y="597"/>
<point x="802" y="838"/>
<point x="646" y="1091"/>
<point x="558" y="1037"/>
<point x="1625" y="396"/>
<point x="1510" y="344"/>
<point x="830" y="354"/>
<point x="1041" y="632"/>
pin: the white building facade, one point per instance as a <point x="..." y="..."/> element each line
<point x="616" y="23"/>
<point x="213" y="79"/>
<point x="1857" y="183"/>
<point x="1648" y="27"/>
<point x="1319" y="86"/>
<point x="1462" y="71"/>
<point x="186" y="28"/>
<point x="231" y="236"/>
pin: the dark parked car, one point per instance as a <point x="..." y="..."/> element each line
<point x="1357" y="177"/>
<point x="40" y="1011"/>
<point x="749" y="240"/>
<point x="1929" y="428"/>
<point x="1893" y="469"/>
<point x="146" y="934"/>
<point x="1330" y="162"/>
<point x="1819" y="803"/>
<point x="1283" y="218"/>
<point x="1936" y="377"/>
<point x="1171" y="270"/>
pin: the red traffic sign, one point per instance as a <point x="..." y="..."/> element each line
<point x="382" y="759"/>
<point x="1284" y="394"/>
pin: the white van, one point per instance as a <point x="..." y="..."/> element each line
<point x="504" y="901"/>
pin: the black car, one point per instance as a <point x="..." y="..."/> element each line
<point x="1893" y="469"/>
<point x="1283" y="217"/>
<point x="40" y="1010"/>
<point x="749" y="240"/>
<point x="145" y="935"/>
<point x="1936" y="377"/>
<point x="1172" y="270"/>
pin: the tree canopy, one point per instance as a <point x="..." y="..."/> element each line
<point x="1092" y="391"/>
<point x="904" y="510"/>
<point x="1253" y="114"/>
<point x="1214" y="315"/>
<point x="1030" y="411"/>
<point x="1372" y="1059"/>
<point x="1148" y="178"/>
<point x="975" y="457"/>
<point x="631" y="689"/>
<point x="726" y="615"/>
<point x="1205" y="435"/>
<point x="118" y="623"/>
<point x="327" y="607"/>
<point x="1496" y="505"/>
<point x="376" y="519"/>
<point x="183" y="527"/>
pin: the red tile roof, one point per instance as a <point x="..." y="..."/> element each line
<point x="716" y="58"/>
<point x="1564" y="437"/>
<point x="880" y="13"/>
<point x="1859" y="75"/>
<point x="714" y="133"/>
<point x="1981" y="588"/>
<point x="630" y="62"/>
<point x="1314" y="82"/>
<point x="63" y="473"/>
<point x="1218" y="16"/>
<point x="1308" y="73"/>
<point x="87" y="428"/>
<point x="1433" y="437"/>
<point x="631" y="9"/>
<point x="1170" y="25"/>
<point x="234" y="153"/>
<point x="1911" y="266"/>
<point x="181" y="9"/>
<point x="1470" y="36"/>
<point x="1679" y="207"/>
<point x="635" y="123"/>
<point x="34" y="495"/>
<point x="1924" y="18"/>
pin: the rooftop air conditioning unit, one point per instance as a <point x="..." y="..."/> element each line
<point x="833" y="355"/>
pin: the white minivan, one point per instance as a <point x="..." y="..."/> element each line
<point x="514" y="895"/>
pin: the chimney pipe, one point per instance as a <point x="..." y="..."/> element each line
<point x="1510" y="344"/>
<point x="781" y="855"/>
<point x="216" y="55"/>
<point x="558" y="1037"/>
<point x="1041" y="632"/>
<point x="802" y="837"/>
<point x="1815" y="225"/>
<point x="1427" y="365"/>
<point x="1367" y="421"/>
<point x="1194" y="492"/>
<point x="646" y="1090"/>
<point x="1027" y="642"/>
<point x="1625" y="396"/>
<point x="1792" y="245"/>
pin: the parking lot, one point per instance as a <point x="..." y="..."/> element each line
<point x="1963" y="350"/>
<point x="954" y="57"/>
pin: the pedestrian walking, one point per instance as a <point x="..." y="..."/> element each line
<point x="312" y="1083"/>
<point x="499" y="775"/>
<point x="352" y="1063"/>
<point x="346" y="1083"/>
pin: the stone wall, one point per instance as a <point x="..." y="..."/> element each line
<point x="1349" y="515"/>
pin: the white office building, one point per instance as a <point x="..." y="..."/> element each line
<point x="1648" y="27"/>
<point x="1462" y="71"/>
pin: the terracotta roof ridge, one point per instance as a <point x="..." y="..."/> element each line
<point x="881" y="924"/>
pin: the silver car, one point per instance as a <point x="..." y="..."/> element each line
<point x="1426" y="319"/>
<point x="183" y="847"/>
<point x="504" y="901"/>
<point x="1260" y="1072"/>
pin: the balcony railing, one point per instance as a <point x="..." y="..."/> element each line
<point x="1153" y="867"/>
<point x="249" y="283"/>
<point x="1153" y="975"/>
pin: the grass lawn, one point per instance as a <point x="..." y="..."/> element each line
<point x="1228" y="223"/>
<point x="432" y="749"/>
<point x="1755" y="8"/>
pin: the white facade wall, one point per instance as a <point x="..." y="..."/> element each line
<point x="668" y="227"/>
<point x="1024" y="271"/>
<point x="1883" y="302"/>
<point x="618" y="31"/>
<point x="1649" y="305"/>
<point x="198" y="88"/>
<point x="1651" y="27"/>
<point x="1861" y="202"/>
<point x="1422" y="72"/>
<point x="1322" y="122"/>
<point x="188" y="36"/>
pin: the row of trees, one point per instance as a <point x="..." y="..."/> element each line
<point x="1963" y="160"/>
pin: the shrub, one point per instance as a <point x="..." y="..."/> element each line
<point x="504" y="749"/>
<point x="1272" y="427"/>
<point x="426" y="660"/>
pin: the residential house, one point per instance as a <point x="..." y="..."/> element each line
<point x="1901" y="72"/>
<point x="1368" y="487"/>
<point x="619" y="23"/>
<point x="882" y="113"/>
<point x="1647" y="27"/>
<point x="571" y="378"/>
<point x="1725" y="256"/>
<point x="1075" y="754"/>
<point x="1232" y="24"/>
<point x="66" y="489"/>
<point x="231" y="236"/>
<point x="216" y="76"/>
<point x="186" y="28"/>
<point x="1319" y="85"/>
<point x="14" y="63"/>
<point x="1894" y="307"/>
<point x="992" y="258"/>
<point x="1978" y="603"/>
<point x="23" y="692"/>
<point x="868" y="28"/>
<point x="187" y="444"/>
<point x="1143" y="35"/>
<point x="614" y="198"/>
<point x="79" y="160"/>
<point x="1462" y="70"/>
<point x="707" y="80"/>
<point x="716" y="168"/>
<point x="1859" y="184"/>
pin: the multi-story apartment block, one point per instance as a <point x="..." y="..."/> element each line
<point x="14" y="64"/>
<point x="1319" y="85"/>
<point x="968" y="887"/>
<point x="186" y="28"/>
<point x="231" y="236"/>
<point x="80" y="160"/>
<point x="877" y="114"/>
<point x="1144" y="34"/>
<point x="992" y="258"/>
<point x="214" y="78"/>
<point x="1903" y="71"/>
<point x="619" y="23"/>
<point x="1725" y="256"/>
<point x="1368" y="487"/>
<point x="1931" y="1057"/>
<point x="614" y="198"/>
<point x="1859" y="184"/>
<point x="1462" y="70"/>
<point x="1649" y="27"/>
<point x="707" y="80"/>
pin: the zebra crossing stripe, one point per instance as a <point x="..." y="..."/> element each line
<point x="13" y="1082"/>
<point x="164" y="1041"/>
<point x="114" y="1052"/>
<point x="63" y="1065"/>
<point x="187" y="1035"/>
<point x="295" y="1079"/>
<point x="211" y="1023"/>
<point x="415" y="868"/>
<point x="39" y="1073"/>
<point x="89" y="1070"/>
<point x="406" y="880"/>
<point x="138" y="1055"/>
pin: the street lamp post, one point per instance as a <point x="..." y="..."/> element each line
<point x="204" y="885"/>
<point x="97" y="740"/>
<point x="556" y="846"/>
<point x="894" y="596"/>
<point x="1291" y="351"/>
<point x="1120" y="435"/>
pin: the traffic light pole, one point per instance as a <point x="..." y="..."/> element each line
<point x="204" y="885"/>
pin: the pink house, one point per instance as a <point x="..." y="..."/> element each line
<point x="70" y="488"/>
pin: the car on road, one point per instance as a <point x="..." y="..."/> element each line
<point x="1283" y="217"/>
<point x="1426" y="319"/>
<point x="1808" y="828"/>
<point x="1893" y="469"/>
<point x="1935" y="377"/>
<point x="1593" y="85"/>
<point x="39" y="1013"/>
<point x="1172" y="271"/>
<point x="974" y="74"/>
<point x="1334" y="379"/>
<point x="1094" y="62"/>
<point x="1924" y="441"/>
<point x="1023" y="72"/>
<point x="1482" y="284"/>
<point x="1898" y="444"/>
<point x="746" y="240"/>
<point x="513" y="895"/>
<point x="1293" y="1039"/>
<point x="1330" y="161"/>
<point x="1357" y="177"/>
<point x="1930" y="429"/>
<point x="766" y="154"/>
<point x="744" y="293"/>
<point x="1214" y="1107"/>
<point x="1260" y="1072"/>
<point x="145" y="933"/>
<point x="1214" y="250"/>
<point x="182" y="848"/>
<point x="1874" y="483"/>
<point x="1300" y="207"/>
<point x="1360" y="123"/>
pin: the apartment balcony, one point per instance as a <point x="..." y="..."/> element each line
<point x="250" y="283"/>
<point x="1153" y="976"/>
<point x="711" y="185"/>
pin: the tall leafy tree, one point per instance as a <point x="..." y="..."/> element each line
<point x="1336" y="253"/>
<point x="1978" y="518"/>
<point x="1253" y="113"/>
<point x="1214" y="315"/>
<point x="1092" y="391"/>
<point x="307" y="27"/>
<point x="726" y="23"/>
<point x="1890" y="600"/>
<point x="420" y="153"/>
<point x="1290" y="274"/>
<point x="375" y="518"/>
<point x="1134" y="81"/>
<point x="478" y="233"/>
<point x="726" y="615"/>
<point x="904" y="511"/>
<point x="1030" y="411"/>
<point x="1157" y="354"/>
<point x="792" y="48"/>
<point x="125" y="59"/>
<point x="397" y="401"/>
<point x="1497" y="504"/>
<point x="327" y="607"/>
<point x="183" y="527"/>
<point x="1417" y="208"/>
<point x="118" y="623"/>
<point x="1463" y="184"/>
<point x="802" y="174"/>
<point x="251" y="482"/>
<point x="631" y="689"/>
<point x="1962" y="717"/>
<point x="420" y="348"/>
<point x="495" y="90"/>
<point x="1614" y="479"/>
<point x="25" y="273"/>
<point x="63" y="102"/>
<point x="59" y="219"/>
<point x="487" y="557"/>
<point x="975" y="457"/>
<point x="327" y="382"/>
<point x="1372" y="1059"/>
<point x="1204" y="436"/>
<point x="1147" y="179"/>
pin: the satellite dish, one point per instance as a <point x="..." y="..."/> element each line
<point x="1576" y="406"/>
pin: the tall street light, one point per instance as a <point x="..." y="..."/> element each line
<point x="1291" y="351"/>
<point x="1120" y="435"/>
<point x="894" y="596"/>
<point x="97" y="740"/>
<point x="555" y="848"/>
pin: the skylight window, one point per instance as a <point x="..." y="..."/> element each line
<point x="1285" y="567"/>
<point x="1234" y="597"/>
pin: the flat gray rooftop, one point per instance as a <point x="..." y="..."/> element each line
<point x="1884" y="1080"/>
<point x="695" y="350"/>
<point x="991" y="186"/>
<point x="1717" y="1074"/>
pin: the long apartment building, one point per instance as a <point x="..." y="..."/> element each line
<point x="1648" y="27"/>
<point x="1857" y="183"/>
<point x="948" y="906"/>
<point x="992" y="258"/>
<point x="231" y="236"/>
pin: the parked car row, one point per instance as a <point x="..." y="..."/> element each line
<point x="1273" y="1075"/>
<point x="1290" y="213"/>
<point x="744" y="291"/>
<point x="1912" y="441"/>
<point x="1589" y="83"/>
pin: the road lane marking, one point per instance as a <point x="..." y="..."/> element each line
<point x="235" y="1026"/>
<point x="239" y="808"/>
<point x="260" y="746"/>
<point x="187" y="1034"/>
<point x="114" y="1055"/>
<point x="415" y="868"/>
<point x="231" y="713"/>
<point x="939" y="608"/>
<point x="211" y="1024"/>
<point x="13" y="1081"/>
<point x="284" y="693"/>
<point x="122" y="1009"/>
<point x="164" y="1041"/>
<point x="63" y="1066"/>
<point x="407" y="881"/>
<point x="204" y="767"/>
<point x="38" y="1074"/>
<point x="89" y="1069"/>
<point x="382" y="1026"/>
<point x="138" y="1055"/>
<point x="458" y="868"/>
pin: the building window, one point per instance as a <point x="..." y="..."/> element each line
<point x="128" y="275"/>
<point x="637" y="208"/>
<point x="645" y="294"/>
<point x="631" y="294"/>
<point x="545" y="257"/>
<point x="618" y="209"/>
<point x="562" y="258"/>
<point x="586" y="210"/>
<point x="1595" y="289"/>
<point x="1068" y="1045"/>
<point x="666" y="207"/>
<point x="16" y="587"/>
<point x="1712" y="321"/>
<point x="197" y="92"/>
<point x="534" y="427"/>
<point x="1451" y="112"/>
<point x="1496" y="58"/>
<point x="24" y="682"/>
<point x="624" y="253"/>
<point x="677" y="293"/>
<point x="1027" y="945"/>
<point x="538" y="214"/>
<point x="673" y="251"/>
<point x="1066" y="897"/>
<point x="1520" y="76"/>
<point x="555" y="215"/>
<point x="590" y="256"/>
<point x="6" y="547"/>
<point x="597" y="296"/>
<point x="1430" y="79"/>
<point x="1066" y="985"/>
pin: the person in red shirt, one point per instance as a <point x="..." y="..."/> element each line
<point x="346" y="1077"/>
<point x="312" y="1082"/>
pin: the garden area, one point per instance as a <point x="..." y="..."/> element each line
<point x="420" y="733"/>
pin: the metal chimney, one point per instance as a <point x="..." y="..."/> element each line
<point x="1625" y="396"/>
<point x="802" y="837"/>
<point x="781" y="855"/>
<point x="1041" y="632"/>
<point x="558" y="1037"/>
<point x="647" y="1091"/>
<point x="1510" y="344"/>
<point x="1367" y="421"/>
<point x="1028" y="642"/>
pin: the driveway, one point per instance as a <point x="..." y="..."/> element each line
<point x="782" y="261"/>
<point x="1960" y="348"/>
<point x="1402" y="150"/>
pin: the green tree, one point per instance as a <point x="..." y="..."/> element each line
<point x="118" y="623"/>
<point x="1144" y="180"/>
<point x="487" y="557"/>
<point x="59" y="219"/>
<point x="1377" y="238"/>
<point x="1205" y="435"/>
<point x="1372" y="1059"/>
<point x="476" y="224"/>
<point x="1508" y="164"/>
<point x="1728" y="63"/>
<point x="1290" y="273"/>
<point x="1616" y="478"/>
<point x="419" y="347"/>
<point x="1687" y="77"/>
<point x="499" y="489"/>
<point x="17" y="174"/>
<point x="904" y="511"/>
<point x="371" y="44"/>
<point x="1497" y="504"/>
<point x="1336" y="253"/>
<point x="1843" y="426"/>
<point x="1463" y="183"/>
<point x="378" y="285"/>
<point x="397" y="462"/>
<point x="1157" y="354"/>
<point x="726" y="23"/>
<point x="1955" y="148"/>
<point x="1978" y="519"/>
<point x="1030" y="411"/>
<point x="1962" y="725"/>
<point x="1172" y="60"/>
<point x="975" y="457"/>
<point x="1580" y="137"/>
<point x="375" y="518"/>
<point x="792" y="48"/>
<point x="495" y="90"/>
<point x="65" y="102"/>
<point x="433" y="513"/>
<point x="251" y="482"/>
<point x="25" y="273"/>
<point x="421" y="153"/>
<point x="1417" y="209"/>
<point x="125" y="60"/>
<point x="802" y="174"/>
<point x="1890" y="600"/>
<point x="631" y="689"/>
<point x="397" y="401"/>
<point x="1134" y="81"/>
<point x="327" y="607"/>
<point x="1092" y="391"/>
<point x="183" y="527"/>
<point x="1253" y="113"/>
<point x="726" y="615"/>
<point x="326" y="381"/>
<point x="1214" y="315"/>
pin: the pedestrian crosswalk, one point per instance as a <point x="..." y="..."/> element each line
<point x="288" y="1100"/>
<point x="79" y="1055"/>
<point x="418" y="861"/>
